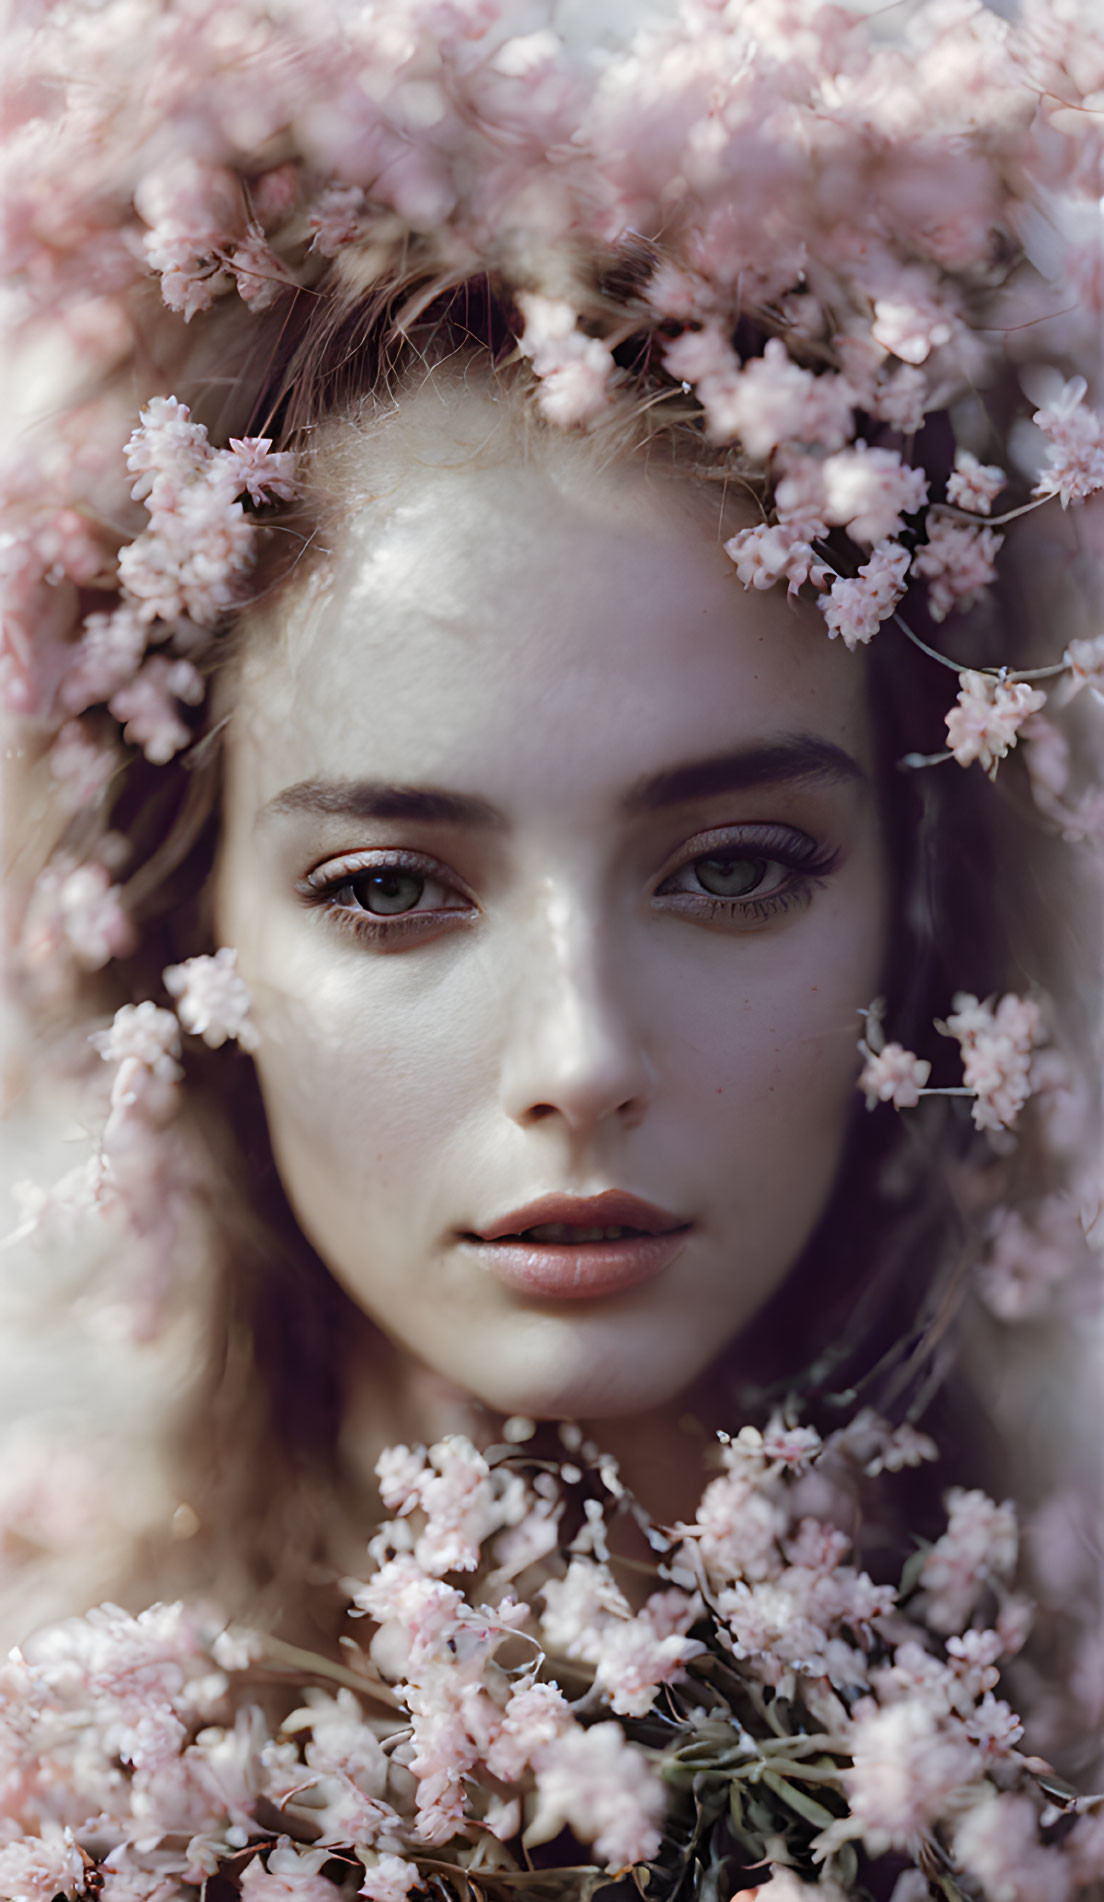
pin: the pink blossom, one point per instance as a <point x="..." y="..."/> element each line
<point x="856" y="606"/>
<point x="292" y="1875"/>
<point x="902" y="400"/>
<point x="83" y="764"/>
<point x="973" y="1657"/>
<point x="77" y="910"/>
<point x="213" y="1000"/>
<point x="39" y="1868"/>
<point x="697" y="354"/>
<point x="335" y="217"/>
<point x="187" y="283"/>
<point x="764" y="554"/>
<point x="193" y="557"/>
<point x="996" y="1054"/>
<point x="105" y="658"/>
<point x="199" y="544"/>
<point x="390" y="1879"/>
<point x="259" y="274"/>
<point x="634" y="1659"/>
<point x="266" y="476"/>
<point x="574" y="369"/>
<point x="145" y="1034"/>
<point x="145" y="707"/>
<point x="994" y="1726"/>
<point x="1075" y="456"/>
<point x="997" y="1842"/>
<point x="799" y="497"/>
<point x="604" y="1789"/>
<point x="772" y="1624"/>
<point x="984" y="722"/>
<point x="1046" y="754"/>
<point x="579" y="1608"/>
<point x="904" y="1446"/>
<point x="463" y="1503"/>
<point x="773" y="400"/>
<point x="502" y="1817"/>
<point x="400" y="1471"/>
<point x="166" y="443"/>
<point x="426" y="1610"/>
<point x="870" y="491"/>
<point x="58" y="545"/>
<point x="978" y="1549"/>
<point x="737" y="1529"/>
<point x="536" y="1714"/>
<point x="125" y="1879"/>
<point x="817" y="1547"/>
<point x="61" y="1211"/>
<point x="912" y="316"/>
<point x="791" y="1447"/>
<point x="974" y="484"/>
<point x="958" y="563"/>
<point x="894" y="1075"/>
<point x="672" y="1611"/>
<point x="529" y="1540"/>
<point x="908" y="1766"/>
<point x="131" y="1678"/>
<point x="1029" y="1259"/>
<point x="191" y="208"/>
<point x="1085" y="660"/>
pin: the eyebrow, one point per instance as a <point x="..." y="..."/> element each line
<point x="376" y="799"/>
<point x="789" y="758"/>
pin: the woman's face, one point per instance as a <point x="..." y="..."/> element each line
<point x="554" y="864"/>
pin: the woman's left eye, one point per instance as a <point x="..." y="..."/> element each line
<point x="737" y="877"/>
<point x="748" y="879"/>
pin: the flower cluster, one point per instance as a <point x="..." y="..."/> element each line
<point x="816" y="317"/>
<point x="988" y="716"/>
<point x="769" y="1702"/>
<point x="139" y="1176"/>
<point x="996" y="1040"/>
<point x="178" y="578"/>
<point x="996" y="1045"/>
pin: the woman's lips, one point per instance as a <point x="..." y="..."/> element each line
<point x="570" y="1248"/>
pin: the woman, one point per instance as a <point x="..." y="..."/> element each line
<point x="563" y="874"/>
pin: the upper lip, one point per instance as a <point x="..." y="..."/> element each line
<point x="614" y="1208"/>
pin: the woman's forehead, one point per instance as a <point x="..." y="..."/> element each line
<point x="490" y="621"/>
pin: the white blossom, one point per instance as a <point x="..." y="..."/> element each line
<point x="213" y="1001"/>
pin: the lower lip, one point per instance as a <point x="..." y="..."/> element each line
<point x="580" y="1271"/>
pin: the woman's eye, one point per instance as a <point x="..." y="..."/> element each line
<point x="748" y="881"/>
<point x="383" y="898"/>
<point x="736" y="877"/>
<point x="386" y="893"/>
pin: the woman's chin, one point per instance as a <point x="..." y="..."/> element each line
<point x="569" y="1380"/>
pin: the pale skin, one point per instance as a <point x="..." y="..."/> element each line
<point x="633" y="959"/>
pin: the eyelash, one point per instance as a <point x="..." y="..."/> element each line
<point x="807" y="863"/>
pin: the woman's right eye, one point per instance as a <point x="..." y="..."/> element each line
<point x="384" y="898"/>
<point x="387" y="894"/>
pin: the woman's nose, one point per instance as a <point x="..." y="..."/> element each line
<point x="573" y="1044"/>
